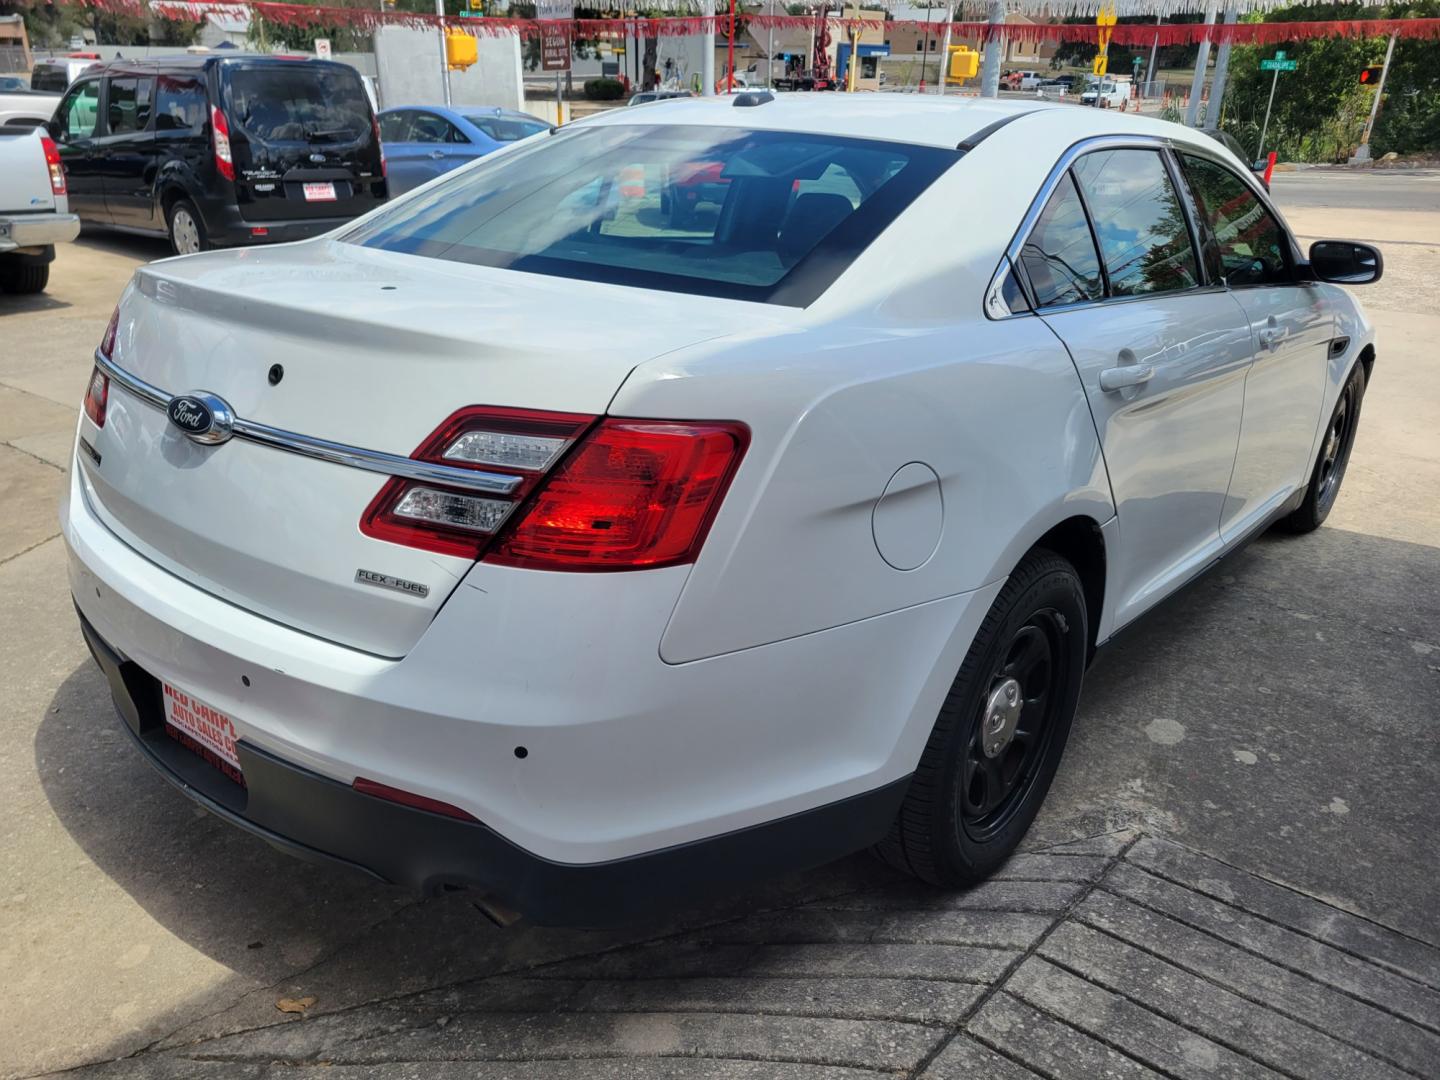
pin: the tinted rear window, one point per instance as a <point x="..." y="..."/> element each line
<point x="768" y="216"/>
<point x="297" y="102"/>
<point x="48" y="79"/>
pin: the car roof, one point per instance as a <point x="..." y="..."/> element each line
<point x="951" y="122"/>
<point x="465" y="111"/>
<point x="151" y="64"/>
<point x="933" y="121"/>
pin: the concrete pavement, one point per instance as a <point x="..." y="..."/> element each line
<point x="1274" y="724"/>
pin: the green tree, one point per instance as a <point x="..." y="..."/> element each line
<point x="1320" y="109"/>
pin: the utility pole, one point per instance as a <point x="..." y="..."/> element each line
<point x="1222" y="70"/>
<point x="444" y="53"/>
<point x="945" y="53"/>
<point x="1362" y="152"/>
<point x="1154" y="47"/>
<point x="924" y="52"/>
<point x="1265" y="127"/>
<point x="994" y="47"/>
<point x="1197" y="84"/>
<point x="707" y="62"/>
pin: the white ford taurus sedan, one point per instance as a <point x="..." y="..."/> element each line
<point x="697" y="492"/>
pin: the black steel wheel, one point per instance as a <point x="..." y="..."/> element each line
<point x="1333" y="458"/>
<point x="1001" y="732"/>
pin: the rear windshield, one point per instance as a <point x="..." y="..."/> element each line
<point x="49" y="79"/>
<point x="297" y="102"/>
<point x="768" y="216"/>
<point x="507" y="129"/>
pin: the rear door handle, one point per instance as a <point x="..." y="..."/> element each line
<point x="1269" y="339"/>
<point x="1122" y="378"/>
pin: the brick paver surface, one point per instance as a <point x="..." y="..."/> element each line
<point x="1117" y="957"/>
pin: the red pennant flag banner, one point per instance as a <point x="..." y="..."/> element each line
<point x="307" y="15"/>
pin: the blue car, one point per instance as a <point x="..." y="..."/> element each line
<point x="425" y="141"/>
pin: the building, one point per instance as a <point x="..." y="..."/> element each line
<point x="911" y="41"/>
<point x="14" y="44"/>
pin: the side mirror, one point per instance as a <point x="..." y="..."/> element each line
<point x="1345" y="262"/>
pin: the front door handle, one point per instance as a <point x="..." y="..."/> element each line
<point x="1269" y="339"/>
<point x="1122" y="378"/>
<point x="437" y="154"/>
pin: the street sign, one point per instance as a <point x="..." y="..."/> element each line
<point x="322" y="48"/>
<point x="557" y="21"/>
<point x="1279" y="65"/>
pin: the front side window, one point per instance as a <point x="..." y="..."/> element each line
<point x="80" y="112"/>
<point x="180" y="103"/>
<point x="768" y="216"/>
<point x="1245" y="244"/>
<point x="1139" y="221"/>
<point x="1059" y="254"/>
<point x="127" y="108"/>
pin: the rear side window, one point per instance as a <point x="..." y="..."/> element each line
<point x="1245" y="244"/>
<point x="297" y="102"/>
<point x="505" y="129"/>
<point x="429" y="128"/>
<point x="127" y="105"/>
<point x="80" y="112"/>
<point x="1139" y="222"/>
<point x="768" y="216"/>
<point x="395" y="127"/>
<point x="180" y="103"/>
<point x="1059" y="255"/>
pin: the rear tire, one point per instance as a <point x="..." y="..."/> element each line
<point x="1001" y="732"/>
<point x="1334" y="457"/>
<point x="25" y="279"/>
<point x="187" y="228"/>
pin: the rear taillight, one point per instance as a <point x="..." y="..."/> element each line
<point x="220" y="134"/>
<point x="97" y="396"/>
<point x="379" y="145"/>
<point x="52" y="162"/>
<point x="617" y="495"/>
<point x="455" y="521"/>
<point x="634" y="494"/>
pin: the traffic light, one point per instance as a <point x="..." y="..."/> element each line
<point x="964" y="62"/>
<point x="1370" y="76"/>
<point x="461" y="50"/>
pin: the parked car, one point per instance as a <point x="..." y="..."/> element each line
<point x="426" y="141"/>
<point x="52" y="76"/>
<point x="13" y="84"/>
<point x="1257" y="168"/>
<point x="215" y="151"/>
<point x="506" y="540"/>
<point x="647" y="96"/>
<point x="34" y="215"/>
<point x="1106" y="93"/>
<point x="1021" y="80"/>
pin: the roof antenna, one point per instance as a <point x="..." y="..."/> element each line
<point x="753" y="98"/>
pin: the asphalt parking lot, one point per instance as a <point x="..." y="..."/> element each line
<point x="1237" y="873"/>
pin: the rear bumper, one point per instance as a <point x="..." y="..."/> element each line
<point x="20" y="231"/>
<point x="227" y="227"/>
<point x="318" y="819"/>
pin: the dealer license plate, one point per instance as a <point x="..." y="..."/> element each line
<point x="323" y="192"/>
<point x="203" y="728"/>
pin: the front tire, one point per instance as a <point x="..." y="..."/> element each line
<point x="187" y="229"/>
<point x="1334" y="457"/>
<point x="1001" y="732"/>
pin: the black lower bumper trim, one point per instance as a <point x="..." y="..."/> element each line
<point x="316" y="818"/>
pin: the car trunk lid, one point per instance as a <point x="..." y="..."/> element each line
<point x="360" y="348"/>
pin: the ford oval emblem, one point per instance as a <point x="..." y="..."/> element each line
<point x="201" y="417"/>
<point x="317" y="157"/>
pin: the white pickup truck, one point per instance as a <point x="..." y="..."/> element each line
<point x="34" y="209"/>
<point x="26" y="108"/>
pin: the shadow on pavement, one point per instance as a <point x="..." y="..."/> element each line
<point x="148" y="248"/>
<point x="19" y="304"/>
<point x="1279" y="715"/>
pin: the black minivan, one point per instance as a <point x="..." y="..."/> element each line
<point x="219" y="150"/>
